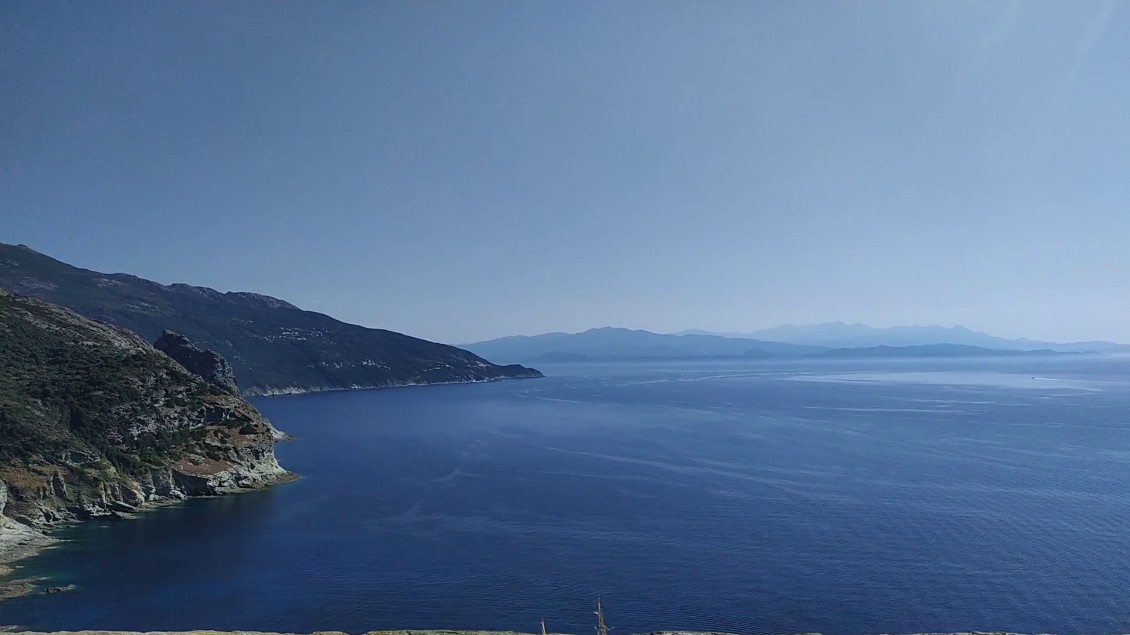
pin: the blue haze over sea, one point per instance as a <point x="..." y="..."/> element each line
<point x="764" y="497"/>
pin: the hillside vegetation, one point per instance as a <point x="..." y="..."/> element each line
<point x="272" y="345"/>
<point x="95" y="421"/>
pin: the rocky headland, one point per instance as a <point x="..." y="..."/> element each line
<point x="97" y="423"/>
<point x="208" y="365"/>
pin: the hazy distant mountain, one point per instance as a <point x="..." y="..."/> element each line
<point x="611" y="344"/>
<point x="929" y="350"/>
<point x="842" y="335"/>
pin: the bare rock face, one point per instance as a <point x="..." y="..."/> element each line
<point x="209" y="365"/>
<point x="16" y="539"/>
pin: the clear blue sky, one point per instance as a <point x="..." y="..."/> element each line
<point x="464" y="170"/>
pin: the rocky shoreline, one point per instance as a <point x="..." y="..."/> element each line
<point x="256" y="469"/>
<point x="19" y="541"/>
<point x="98" y="424"/>
<point x="278" y="392"/>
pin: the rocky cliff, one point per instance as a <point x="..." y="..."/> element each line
<point x="209" y="365"/>
<point x="17" y="540"/>
<point x="273" y="346"/>
<point x="97" y="423"/>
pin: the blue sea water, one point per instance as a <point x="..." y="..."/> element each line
<point x="762" y="497"/>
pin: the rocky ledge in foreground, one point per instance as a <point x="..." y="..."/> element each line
<point x="96" y="423"/>
<point x="423" y="633"/>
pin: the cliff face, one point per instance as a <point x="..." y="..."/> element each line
<point x="209" y="365"/>
<point x="96" y="422"/>
<point x="273" y="346"/>
<point x="16" y="539"/>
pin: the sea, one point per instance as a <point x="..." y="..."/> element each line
<point x="840" y="496"/>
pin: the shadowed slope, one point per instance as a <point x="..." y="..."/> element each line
<point x="272" y="345"/>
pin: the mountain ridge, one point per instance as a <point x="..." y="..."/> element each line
<point x="844" y="335"/>
<point x="614" y="343"/>
<point x="273" y="346"/>
<point x="931" y="350"/>
<point x="608" y="344"/>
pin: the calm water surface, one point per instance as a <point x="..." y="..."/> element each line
<point x="840" y="497"/>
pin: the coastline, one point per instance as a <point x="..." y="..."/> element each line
<point x="19" y="541"/>
<point x="290" y="390"/>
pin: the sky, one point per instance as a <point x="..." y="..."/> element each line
<point x="466" y="170"/>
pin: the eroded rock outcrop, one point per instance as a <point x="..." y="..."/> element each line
<point x="208" y="364"/>
<point x="16" y="541"/>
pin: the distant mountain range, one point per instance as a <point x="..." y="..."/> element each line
<point x="605" y="344"/>
<point x="272" y="345"/>
<point x="929" y="350"/>
<point x="619" y="344"/>
<point x="843" y="335"/>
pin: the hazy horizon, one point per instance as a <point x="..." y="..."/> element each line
<point x="679" y="332"/>
<point x="467" y="171"/>
<point x="697" y="331"/>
